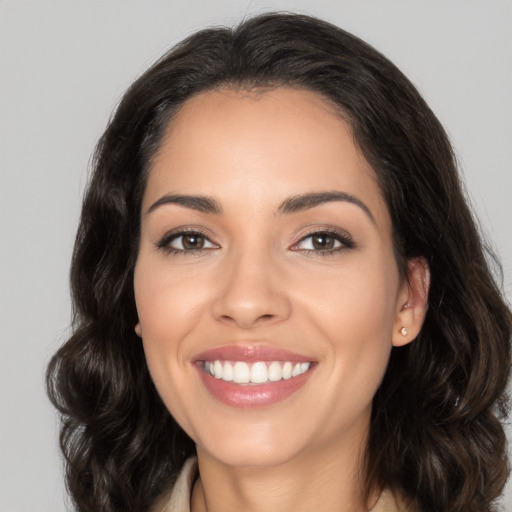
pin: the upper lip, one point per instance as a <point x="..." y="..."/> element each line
<point x="251" y="354"/>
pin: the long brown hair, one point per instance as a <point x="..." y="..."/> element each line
<point x="435" y="432"/>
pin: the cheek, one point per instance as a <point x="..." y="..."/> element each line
<point x="171" y="305"/>
<point x="354" y="314"/>
<point x="355" y="301"/>
<point x="162" y="316"/>
<point x="168" y="303"/>
<point x="165" y="316"/>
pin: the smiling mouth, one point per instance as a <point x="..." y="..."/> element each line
<point x="253" y="376"/>
<point x="258" y="372"/>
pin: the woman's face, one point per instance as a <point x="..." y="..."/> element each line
<point x="266" y="256"/>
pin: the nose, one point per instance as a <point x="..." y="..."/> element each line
<point x="252" y="292"/>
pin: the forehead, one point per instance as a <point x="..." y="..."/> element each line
<point x="262" y="146"/>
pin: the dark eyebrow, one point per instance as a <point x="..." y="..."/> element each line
<point x="202" y="204"/>
<point x="306" y="201"/>
<point x="293" y="204"/>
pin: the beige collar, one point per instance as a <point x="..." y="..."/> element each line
<point x="178" y="499"/>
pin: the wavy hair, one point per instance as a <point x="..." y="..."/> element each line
<point x="435" y="434"/>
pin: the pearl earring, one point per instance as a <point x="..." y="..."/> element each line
<point x="404" y="332"/>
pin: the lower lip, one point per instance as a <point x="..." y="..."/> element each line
<point x="252" y="395"/>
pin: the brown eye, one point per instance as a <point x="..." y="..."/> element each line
<point x="188" y="241"/>
<point x="192" y="241"/>
<point x="322" y="241"/>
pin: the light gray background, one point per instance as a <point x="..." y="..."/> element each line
<point x="64" y="65"/>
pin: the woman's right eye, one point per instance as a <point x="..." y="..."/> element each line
<point x="189" y="241"/>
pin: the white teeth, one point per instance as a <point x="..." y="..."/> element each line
<point x="287" y="371"/>
<point x="296" y="370"/>
<point x="241" y="374"/>
<point x="227" y="372"/>
<point x="275" y="371"/>
<point x="259" y="372"/>
<point x="217" y="368"/>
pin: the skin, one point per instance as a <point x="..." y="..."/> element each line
<point x="259" y="280"/>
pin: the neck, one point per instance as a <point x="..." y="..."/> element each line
<point x="326" y="479"/>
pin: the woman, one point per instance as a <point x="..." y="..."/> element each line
<point x="276" y="271"/>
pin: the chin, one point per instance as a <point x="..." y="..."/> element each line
<point x="256" y="445"/>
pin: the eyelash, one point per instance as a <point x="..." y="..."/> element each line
<point x="165" y="242"/>
<point x="342" y="237"/>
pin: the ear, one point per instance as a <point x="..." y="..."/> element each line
<point x="138" y="330"/>
<point x="412" y="303"/>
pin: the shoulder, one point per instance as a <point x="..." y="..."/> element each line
<point x="177" y="499"/>
<point x="390" y="502"/>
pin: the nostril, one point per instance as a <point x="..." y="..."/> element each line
<point x="248" y="321"/>
<point x="250" y="305"/>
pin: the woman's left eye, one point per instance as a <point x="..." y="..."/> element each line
<point x="324" y="242"/>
